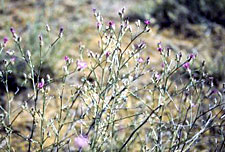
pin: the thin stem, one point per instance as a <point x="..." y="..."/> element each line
<point x="42" y="123"/>
<point x="144" y="122"/>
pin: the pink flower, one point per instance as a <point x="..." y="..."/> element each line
<point x="66" y="58"/>
<point x="140" y="60"/>
<point x="81" y="141"/>
<point x="5" y="40"/>
<point x="147" y="22"/>
<point x="40" y="85"/>
<point x="186" y="65"/>
<point x="81" y="65"/>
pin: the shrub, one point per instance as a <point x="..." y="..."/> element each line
<point x="178" y="13"/>
<point x="122" y="103"/>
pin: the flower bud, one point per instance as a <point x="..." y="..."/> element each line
<point x="10" y="52"/>
<point x="13" y="32"/>
<point x="41" y="84"/>
<point x="159" y="47"/>
<point x="28" y="54"/>
<point x="47" y="28"/>
<point x="138" y="23"/>
<point x="99" y="26"/>
<point x="148" y="60"/>
<point x="5" y="40"/>
<point x="12" y="60"/>
<point x="140" y="60"/>
<point x="19" y="39"/>
<point x="66" y="58"/>
<point x="40" y="40"/>
<point x="107" y="54"/>
<point x="65" y="69"/>
<point x="147" y="22"/>
<point x="61" y="32"/>
<point x="48" y="78"/>
<point x="94" y="11"/>
<point x="223" y="87"/>
<point x="130" y="29"/>
<point x="111" y="25"/>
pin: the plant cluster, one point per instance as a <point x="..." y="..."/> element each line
<point x="123" y="103"/>
<point x="179" y="14"/>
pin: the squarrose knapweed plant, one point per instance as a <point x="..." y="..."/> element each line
<point x="123" y="103"/>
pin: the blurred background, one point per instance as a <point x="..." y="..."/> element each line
<point x="190" y="26"/>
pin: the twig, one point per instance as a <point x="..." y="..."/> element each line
<point x="131" y="135"/>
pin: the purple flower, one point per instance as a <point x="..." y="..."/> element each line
<point x="94" y="10"/>
<point x="99" y="25"/>
<point x="12" y="30"/>
<point x="111" y="24"/>
<point x="211" y="79"/>
<point x="5" y="40"/>
<point x="159" y="47"/>
<point x="107" y="54"/>
<point x="140" y="60"/>
<point x="12" y="60"/>
<point x="186" y="65"/>
<point x="66" y="58"/>
<point x="61" y="30"/>
<point x="192" y="56"/>
<point x="81" y="141"/>
<point x="40" y="85"/>
<point x="40" y="37"/>
<point x="81" y="65"/>
<point x="147" y="22"/>
<point x="214" y="91"/>
<point x="136" y="46"/>
<point x="157" y="76"/>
